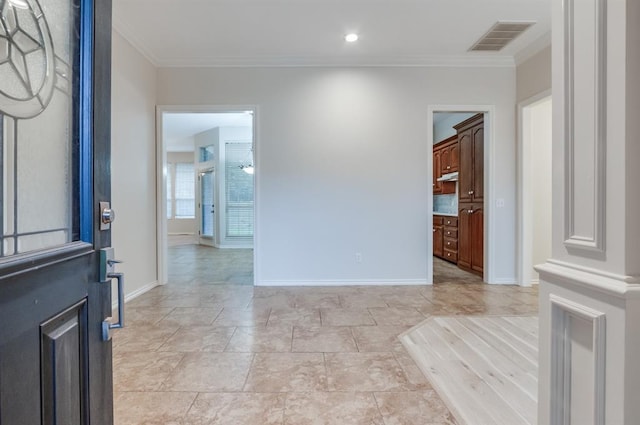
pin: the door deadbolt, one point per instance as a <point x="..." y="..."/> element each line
<point x="107" y="215"/>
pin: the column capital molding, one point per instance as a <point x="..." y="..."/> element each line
<point x="619" y="286"/>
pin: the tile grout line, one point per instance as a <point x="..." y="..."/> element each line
<point x="354" y="339"/>
<point x="191" y="405"/>
<point x="246" y="378"/>
<point x="375" y="400"/>
<point x="235" y="329"/>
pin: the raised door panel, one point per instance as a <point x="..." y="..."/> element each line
<point x="477" y="239"/>
<point x="454" y="156"/>
<point x="63" y="366"/>
<point x="437" y="171"/>
<point x="446" y="159"/>
<point x="465" y="178"/>
<point x="478" y="163"/>
<point x="438" y="241"/>
<point x="464" y="236"/>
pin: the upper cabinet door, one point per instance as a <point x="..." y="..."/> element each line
<point x="437" y="171"/>
<point x="465" y="178"/>
<point x="446" y="160"/>
<point x="478" y="163"/>
<point x="454" y="156"/>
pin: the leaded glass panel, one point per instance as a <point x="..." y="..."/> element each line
<point x="39" y="62"/>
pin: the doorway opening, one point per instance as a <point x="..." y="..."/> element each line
<point x="460" y="194"/>
<point x="535" y="185"/>
<point x="206" y="193"/>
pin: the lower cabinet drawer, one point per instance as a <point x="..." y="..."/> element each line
<point x="451" y="244"/>
<point x="450" y="255"/>
<point x="451" y="232"/>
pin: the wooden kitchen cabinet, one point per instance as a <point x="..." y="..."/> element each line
<point x="471" y="237"/>
<point x="445" y="160"/>
<point x="471" y="159"/>
<point x="477" y="239"/>
<point x="471" y="194"/>
<point x="437" y="171"/>
<point x="449" y="155"/>
<point x="438" y="229"/>
<point x="445" y="237"/>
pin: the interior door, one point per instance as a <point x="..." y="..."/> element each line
<point x="206" y="181"/>
<point x="55" y="364"/>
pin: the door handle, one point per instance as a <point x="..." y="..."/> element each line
<point x="106" y="325"/>
<point x="107" y="274"/>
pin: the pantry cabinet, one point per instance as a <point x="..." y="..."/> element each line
<point x="471" y="158"/>
<point x="471" y="194"/>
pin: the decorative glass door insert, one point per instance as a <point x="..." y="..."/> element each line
<point x="39" y="128"/>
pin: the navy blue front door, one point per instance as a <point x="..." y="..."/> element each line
<point x="55" y="367"/>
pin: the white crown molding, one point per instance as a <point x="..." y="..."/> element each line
<point x="471" y="61"/>
<point x="124" y="31"/>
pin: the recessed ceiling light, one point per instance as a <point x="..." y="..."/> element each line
<point x="351" y="37"/>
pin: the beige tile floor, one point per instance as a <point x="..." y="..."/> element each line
<point x="209" y="348"/>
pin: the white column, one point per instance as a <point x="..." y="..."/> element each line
<point x="590" y="289"/>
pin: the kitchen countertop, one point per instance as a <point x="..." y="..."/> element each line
<point x="445" y="214"/>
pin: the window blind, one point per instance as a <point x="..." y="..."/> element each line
<point x="185" y="204"/>
<point x="239" y="191"/>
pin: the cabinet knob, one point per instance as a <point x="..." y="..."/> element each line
<point x="448" y="243"/>
<point x="471" y="192"/>
<point x="434" y="230"/>
<point x="470" y="211"/>
<point x="448" y="166"/>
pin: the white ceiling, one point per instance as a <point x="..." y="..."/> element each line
<point x="310" y="32"/>
<point x="178" y="129"/>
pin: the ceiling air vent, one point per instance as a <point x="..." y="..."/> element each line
<point x="499" y="35"/>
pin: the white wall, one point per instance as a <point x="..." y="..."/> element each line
<point x="343" y="163"/>
<point x="534" y="75"/>
<point x="133" y="167"/>
<point x="181" y="226"/>
<point x="540" y="134"/>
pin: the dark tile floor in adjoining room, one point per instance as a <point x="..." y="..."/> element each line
<point x="209" y="348"/>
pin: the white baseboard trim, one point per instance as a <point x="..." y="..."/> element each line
<point x="504" y="281"/>
<point x="234" y="246"/>
<point x="343" y="282"/>
<point x="135" y="294"/>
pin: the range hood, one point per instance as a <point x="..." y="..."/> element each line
<point x="449" y="177"/>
